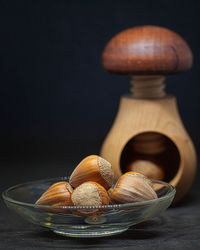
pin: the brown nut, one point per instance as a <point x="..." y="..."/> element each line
<point x="93" y="168"/>
<point x="89" y="194"/>
<point x="132" y="187"/>
<point x="58" y="194"/>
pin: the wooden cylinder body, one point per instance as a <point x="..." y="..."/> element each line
<point x="136" y="116"/>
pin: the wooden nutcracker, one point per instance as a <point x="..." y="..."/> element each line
<point x="148" y="135"/>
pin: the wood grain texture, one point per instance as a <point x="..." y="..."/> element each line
<point x="137" y="116"/>
<point x="146" y="50"/>
<point x="148" y="168"/>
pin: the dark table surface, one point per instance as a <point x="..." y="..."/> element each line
<point x="176" y="228"/>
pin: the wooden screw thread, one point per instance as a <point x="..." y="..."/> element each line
<point x="148" y="87"/>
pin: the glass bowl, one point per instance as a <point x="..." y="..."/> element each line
<point x="65" y="220"/>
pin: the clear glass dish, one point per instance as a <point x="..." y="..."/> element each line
<point x="64" y="220"/>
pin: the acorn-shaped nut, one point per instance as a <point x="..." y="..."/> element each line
<point x="89" y="194"/>
<point x="132" y="187"/>
<point x="93" y="168"/>
<point x="58" y="194"/>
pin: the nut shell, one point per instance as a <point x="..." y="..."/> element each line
<point x="90" y="194"/>
<point x="132" y="187"/>
<point x="58" y="194"/>
<point x="93" y="168"/>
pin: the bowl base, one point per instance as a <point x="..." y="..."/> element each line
<point x="90" y="233"/>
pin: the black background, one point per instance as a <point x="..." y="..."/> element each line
<point x="57" y="103"/>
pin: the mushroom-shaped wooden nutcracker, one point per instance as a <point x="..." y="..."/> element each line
<point x="148" y="135"/>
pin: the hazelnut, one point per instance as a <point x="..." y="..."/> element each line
<point x="93" y="168"/>
<point x="89" y="194"/>
<point x="58" y="194"/>
<point x="132" y="187"/>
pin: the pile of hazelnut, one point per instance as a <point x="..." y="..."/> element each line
<point x="90" y="184"/>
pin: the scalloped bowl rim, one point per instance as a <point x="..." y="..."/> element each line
<point x="6" y="197"/>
